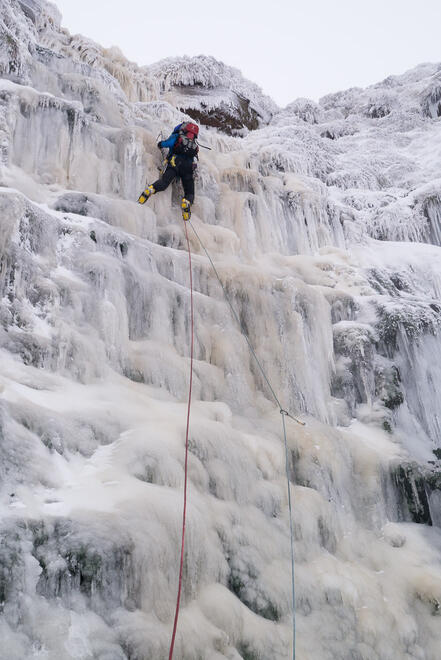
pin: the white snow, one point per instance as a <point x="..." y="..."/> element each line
<point x="324" y="225"/>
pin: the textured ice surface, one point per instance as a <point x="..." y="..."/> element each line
<point x="325" y="228"/>
<point x="213" y="93"/>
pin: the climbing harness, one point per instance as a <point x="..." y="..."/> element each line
<point x="184" y="512"/>
<point x="284" y="414"/>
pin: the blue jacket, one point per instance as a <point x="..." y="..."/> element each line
<point x="169" y="143"/>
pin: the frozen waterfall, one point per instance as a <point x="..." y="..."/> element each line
<point x="324" y="221"/>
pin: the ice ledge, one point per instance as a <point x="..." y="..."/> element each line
<point x="213" y="93"/>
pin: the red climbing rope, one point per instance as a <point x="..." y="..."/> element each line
<point x="184" y="512"/>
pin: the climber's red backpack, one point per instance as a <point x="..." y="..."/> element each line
<point x="186" y="143"/>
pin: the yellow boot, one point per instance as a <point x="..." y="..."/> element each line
<point x="148" y="192"/>
<point x="185" y="206"/>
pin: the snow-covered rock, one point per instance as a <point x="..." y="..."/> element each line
<point x="213" y="94"/>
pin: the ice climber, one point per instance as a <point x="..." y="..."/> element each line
<point x="183" y="148"/>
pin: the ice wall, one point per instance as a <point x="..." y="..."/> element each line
<point x="324" y="227"/>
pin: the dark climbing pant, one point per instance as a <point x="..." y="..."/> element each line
<point x="182" y="169"/>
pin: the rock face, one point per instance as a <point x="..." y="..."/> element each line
<point x="213" y="94"/>
<point x="41" y="14"/>
<point x="323" y="223"/>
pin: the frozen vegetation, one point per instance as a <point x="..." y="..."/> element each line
<point x="325" y="224"/>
